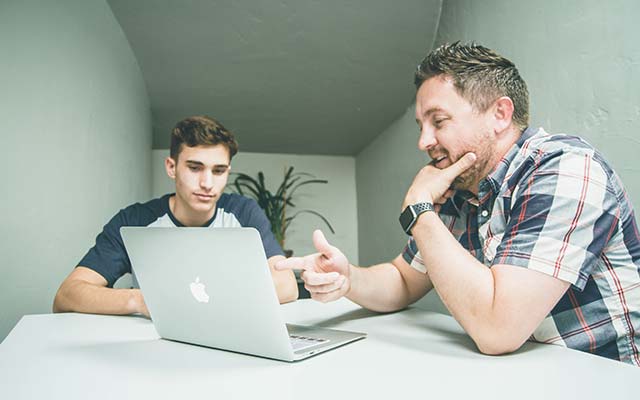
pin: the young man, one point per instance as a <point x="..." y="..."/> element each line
<point x="523" y="234"/>
<point x="199" y="163"/>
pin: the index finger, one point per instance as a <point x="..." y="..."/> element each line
<point x="294" y="263"/>
<point x="463" y="164"/>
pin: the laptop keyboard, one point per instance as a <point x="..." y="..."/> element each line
<point x="302" y="342"/>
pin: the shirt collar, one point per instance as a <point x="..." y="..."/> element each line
<point x="494" y="180"/>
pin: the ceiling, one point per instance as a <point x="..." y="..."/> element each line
<point x="287" y="76"/>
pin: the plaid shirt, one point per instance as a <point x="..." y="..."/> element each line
<point x="554" y="205"/>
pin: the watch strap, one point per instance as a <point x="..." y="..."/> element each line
<point x="420" y="208"/>
<point x="411" y="213"/>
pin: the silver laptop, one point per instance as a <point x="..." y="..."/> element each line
<point x="213" y="287"/>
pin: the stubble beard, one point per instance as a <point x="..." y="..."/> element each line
<point x="467" y="179"/>
<point x="470" y="178"/>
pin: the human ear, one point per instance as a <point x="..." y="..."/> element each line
<point x="170" y="167"/>
<point x="503" y="113"/>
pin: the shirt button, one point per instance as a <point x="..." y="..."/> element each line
<point x="484" y="213"/>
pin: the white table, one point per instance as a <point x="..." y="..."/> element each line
<point x="413" y="354"/>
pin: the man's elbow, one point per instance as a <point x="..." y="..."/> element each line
<point x="63" y="301"/>
<point x="498" y="343"/>
<point x="58" y="301"/>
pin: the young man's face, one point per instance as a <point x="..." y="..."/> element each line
<point x="201" y="174"/>
<point x="450" y="128"/>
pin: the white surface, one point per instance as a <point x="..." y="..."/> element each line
<point x="407" y="355"/>
<point x="336" y="200"/>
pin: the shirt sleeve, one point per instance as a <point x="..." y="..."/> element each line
<point x="257" y="219"/>
<point x="108" y="256"/>
<point x="411" y="254"/>
<point x="562" y="216"/>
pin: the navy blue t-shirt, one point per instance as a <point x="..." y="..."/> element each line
<point x="109" y="258"/>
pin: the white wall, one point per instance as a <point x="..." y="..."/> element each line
<point x="384" y="171"/>
<point x="336" y="200"/>
<point x="580" y="60"/>
<point x="76" y="140"/>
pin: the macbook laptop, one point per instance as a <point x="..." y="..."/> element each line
<point x="212" y="287"/>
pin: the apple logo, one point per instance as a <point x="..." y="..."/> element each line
<point x="198" y="291"/>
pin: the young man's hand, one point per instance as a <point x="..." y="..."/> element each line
<point x="137" y="304"/>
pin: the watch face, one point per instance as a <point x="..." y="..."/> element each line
<point x="406" y="219"/>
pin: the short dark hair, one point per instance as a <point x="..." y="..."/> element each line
<point x="479" y="75"/>
<point x="201" y="130"/>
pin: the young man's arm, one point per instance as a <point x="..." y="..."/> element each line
<point x="284" y="281"/>
<point x="86" y="291"/>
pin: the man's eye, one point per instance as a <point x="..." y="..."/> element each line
<point x="438" y="122"/>
<point x="220" y="170"/>
<point x="194" y="169"/>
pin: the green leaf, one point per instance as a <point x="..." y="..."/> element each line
<point x="290" y="219"/>
<point x="275" y="205"/>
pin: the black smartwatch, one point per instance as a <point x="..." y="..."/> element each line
<point x="410" y="215"/>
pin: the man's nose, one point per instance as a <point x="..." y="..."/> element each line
<point x="206" y="180"/>
<point x="427" y="139"/>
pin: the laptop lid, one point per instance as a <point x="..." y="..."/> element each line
<point x="213" y="287"/>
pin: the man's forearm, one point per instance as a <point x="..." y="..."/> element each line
<point x="284" y="281"/>
<point x="286" y="287"/>
<point x="378" y="288"/>
<point x="465" y="285"/>
<point x="84" y="297"/>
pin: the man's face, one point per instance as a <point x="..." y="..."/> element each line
<point x="450" y="128"/>
<point x="201" y="175"/>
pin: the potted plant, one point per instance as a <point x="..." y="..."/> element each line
<point x="277" y="206"/>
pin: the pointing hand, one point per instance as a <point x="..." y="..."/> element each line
<point x="325" y="273"/>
